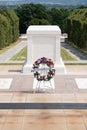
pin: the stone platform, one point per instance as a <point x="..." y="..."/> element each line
<point x="39" y="119"/>
<point x="63" y="83"/>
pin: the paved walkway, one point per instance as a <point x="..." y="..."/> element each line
<point x="43" y="119"/>
<point x="4" y="57"/>
<point x="24" y="83"/>
<point x="39" y="119"/>
<point x="75" y="52"/>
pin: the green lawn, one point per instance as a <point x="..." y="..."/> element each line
<point x="23" y="53"/>
<point x="66" y="56"/>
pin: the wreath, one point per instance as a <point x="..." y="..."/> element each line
<point x="43" y="69"/>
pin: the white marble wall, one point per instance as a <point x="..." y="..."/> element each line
<point x="43" y="41"/>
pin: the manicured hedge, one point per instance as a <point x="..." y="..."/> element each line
<point x="4" y="31"/>
<point x="77" y="28"/>
<point x="9" y="27"/>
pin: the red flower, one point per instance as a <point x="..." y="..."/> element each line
<point x="51" y="63"/>
<point x="47" y="62"/>
<point x="37" y="73"/>
<point x="44" y="76"/>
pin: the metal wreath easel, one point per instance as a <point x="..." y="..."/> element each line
<point x="42" y="85"/>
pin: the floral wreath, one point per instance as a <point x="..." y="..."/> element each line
<point x="43" y="69"/>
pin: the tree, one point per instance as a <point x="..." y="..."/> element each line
<point x="37" y="14"/>
<point x="36" y="21"/>
<point x="32" y="14"/>
<point x="59" y="17"/>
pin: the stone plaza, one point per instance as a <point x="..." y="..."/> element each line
<point x="20" y="107"/>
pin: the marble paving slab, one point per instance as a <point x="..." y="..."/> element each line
<point x="81" y="83"/>
<point x="5" y="83"/>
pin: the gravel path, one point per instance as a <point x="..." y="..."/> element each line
<point x="75" y="52"/>
<point x="4" y="57"/>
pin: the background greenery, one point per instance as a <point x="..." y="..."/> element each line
<point x="77" y="28"/>
<point x="71" y="21"/>
<point x="9" y="27"/>
<point x="36" y="14"/>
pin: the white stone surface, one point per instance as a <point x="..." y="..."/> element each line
<point x="81" y="83"/>
<point x="37" y="29"/>
<point x="5" y="83"/>
<point x="38" y="85"/>
<point x="44" y="41"/>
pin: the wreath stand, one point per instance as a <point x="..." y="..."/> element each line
<point x="43" y="85"/>
<point x="39" y="86"/>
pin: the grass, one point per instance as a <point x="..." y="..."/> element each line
<point x="76" y="64"/>
<point x="23" y="54"/>
<point x="20" y="55"/>
<point x="66" y="56"/>
<point x="6" y="64"/>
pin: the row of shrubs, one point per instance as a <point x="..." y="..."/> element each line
<point x="9" y="27"/>
<point x="77" y="28"/>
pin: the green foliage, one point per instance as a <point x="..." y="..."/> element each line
<point x="9" y="27"/>
<point x="31" y="14"/>
<point x="36" y="21"/>
<point x="59" y="17"/>
<point x="77" y="27"/>
<point x="36" y="14"/>
<point x="4" y="31"/>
